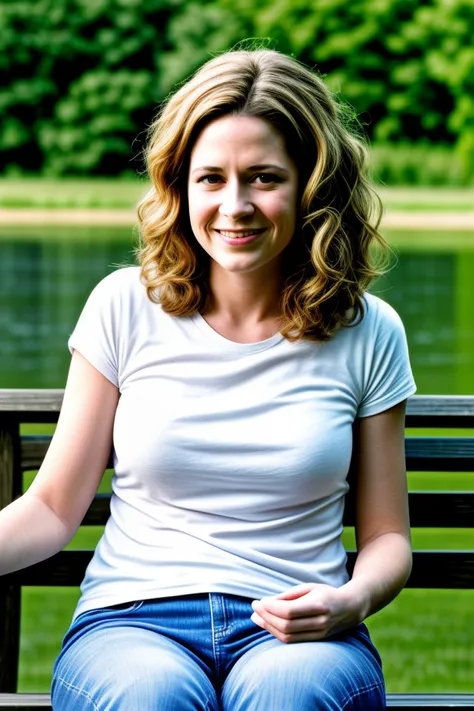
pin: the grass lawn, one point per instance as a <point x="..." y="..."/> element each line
<point x="114" y="193"/>
<point x="71" y="192"/>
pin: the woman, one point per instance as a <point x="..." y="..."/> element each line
<point x="231" y="371"/>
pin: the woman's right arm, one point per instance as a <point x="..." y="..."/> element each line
<point x="42" y="521"/>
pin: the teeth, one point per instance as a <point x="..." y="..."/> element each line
<point x="237" y="235"/>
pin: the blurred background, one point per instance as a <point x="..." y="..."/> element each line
<point x="80" y="82"/>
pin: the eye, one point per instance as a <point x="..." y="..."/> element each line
<point x="211" y="179"/>
<point x="266" y="178"/>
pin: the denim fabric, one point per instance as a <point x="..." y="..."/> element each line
<point x="203" y="652"/>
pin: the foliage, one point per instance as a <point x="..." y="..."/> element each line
<point x="83" y="77"/>
<point x="406" y="66"/>
<point x="436" y="87"/>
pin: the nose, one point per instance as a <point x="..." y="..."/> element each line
<point x="236" y="201"/>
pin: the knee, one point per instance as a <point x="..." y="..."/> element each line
<point x="165" y="689"/>
<point x="134" y="686"/>
<point x="162" y="678"/>
<point x="275" y="679"/>
<point x="303" y="677"/>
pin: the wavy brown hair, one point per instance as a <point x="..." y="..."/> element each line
<point x="329" y="263"/>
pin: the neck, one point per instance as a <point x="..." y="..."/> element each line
<point x="243" y="300"/>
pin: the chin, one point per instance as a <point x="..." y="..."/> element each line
<point x="237" y="267"/>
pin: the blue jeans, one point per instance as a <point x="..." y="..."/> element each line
<point x="204" y="652"/>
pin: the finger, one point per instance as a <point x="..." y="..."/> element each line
<point x="291" y="627"/>
<point x="258" y="620"/>
<point x="295" y="592"/>
<point x="290" y="609"/>
<point x="292" y="637"/>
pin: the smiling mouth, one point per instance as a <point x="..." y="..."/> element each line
<point x="236" y="234"/>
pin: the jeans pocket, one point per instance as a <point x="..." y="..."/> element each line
<point x="126" y="608"/>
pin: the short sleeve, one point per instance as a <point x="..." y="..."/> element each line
<point x="388" y="376"/>
<point x="96" y="333"/>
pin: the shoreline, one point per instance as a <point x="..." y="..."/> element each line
<point x="100" y="217"/>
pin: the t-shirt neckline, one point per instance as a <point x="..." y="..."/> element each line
<point x="228" y="345"/>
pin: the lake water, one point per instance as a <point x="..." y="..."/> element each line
<point x="45" y="281"/>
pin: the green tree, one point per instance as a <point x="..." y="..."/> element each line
<point x="195" y="34"/>
<point x="81" y="75"/>
<point x="436" y="88"/>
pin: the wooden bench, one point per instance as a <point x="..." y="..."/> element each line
<point x="432" y="569"/>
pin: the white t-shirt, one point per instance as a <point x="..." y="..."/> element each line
<point x="230" y="458"/>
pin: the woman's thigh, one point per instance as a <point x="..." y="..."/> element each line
<point x="343" y="672"/>
<point x="124" y="667"/>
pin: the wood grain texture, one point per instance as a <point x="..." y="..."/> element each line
<point x="30" y="400"/>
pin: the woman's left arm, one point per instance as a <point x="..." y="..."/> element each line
<point x="313" y="611"/>
<point x="384" y="558"/>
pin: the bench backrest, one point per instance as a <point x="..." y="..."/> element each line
<point x="431" y="569"/>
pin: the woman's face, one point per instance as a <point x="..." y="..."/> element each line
<point x="242" y="193"/>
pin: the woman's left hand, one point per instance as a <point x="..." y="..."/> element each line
<point x="308" y="612"/>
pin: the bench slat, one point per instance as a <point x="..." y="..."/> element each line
<point x="430" y="702"/>
<point x="442" y="570"/>
<point x="422" y="453"/>
<point x="27" y="702"/>
<point x="30" y="405"/>
<point x="430" y="509"/>
<point x="409" y="702"/>
<point x="440" y="411"/>
<point x="434" y="509"/>
<point x="453" y="454"/>
<point x="437" y="509"/>
<point x="33" y="451"/>
<point x="422" y="410"/>
<point x="431" y="569"/>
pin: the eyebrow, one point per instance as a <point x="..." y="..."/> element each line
<point x="262" y="166"/>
